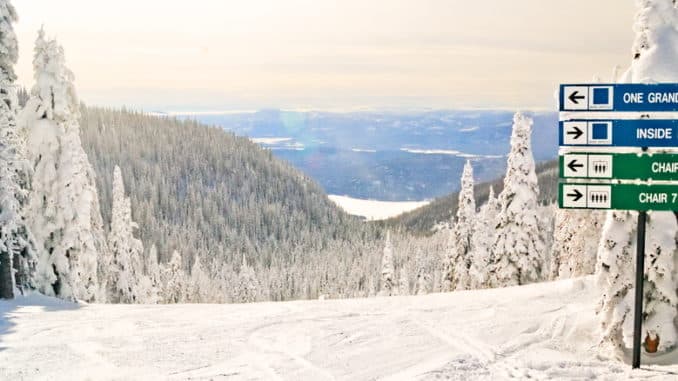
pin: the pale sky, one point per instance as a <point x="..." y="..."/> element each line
<point x="171" y="55"/>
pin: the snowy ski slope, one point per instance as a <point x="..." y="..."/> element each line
<point x="542" y="331"/>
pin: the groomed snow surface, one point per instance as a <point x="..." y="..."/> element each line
<point x="374" y="210"/>
<point x="541" y="331"/>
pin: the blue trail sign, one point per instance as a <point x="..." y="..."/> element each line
<point x="660" y="133"/>
<point x="619" y="97"/>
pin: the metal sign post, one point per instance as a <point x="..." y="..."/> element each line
<point x="614" y="157"/>
<point x="640" y="280"/>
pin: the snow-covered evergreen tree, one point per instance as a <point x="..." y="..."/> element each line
<point x="173" y="280"/>
<point x="572" y="254"/>
<point x="248" y="285"/>
<point x="403" y="281"/>
<point x="483" y="238"/>
<point x="655" y="52"/>
<point x="518" y="249"/>
<point x="423" y="285"/>
<point x="63" y="206"/>
<point x="462" y="233"/>
<point x="153" y="275"/>
<point x="387" y="269"/>
<point x="661" y="303"/>
<point x="614" y="277"/>
<point x="124" y="275"/>
<point x="17" y="255"/>
<point x="200" y="284"/>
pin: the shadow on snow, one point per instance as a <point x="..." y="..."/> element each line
<point x="10" y="310"/>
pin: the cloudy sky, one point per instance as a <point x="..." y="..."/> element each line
<point x="197" y="55"/>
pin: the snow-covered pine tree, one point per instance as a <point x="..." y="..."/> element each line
<point x="572" y="255"/>
<point x="151" y="266"/>
<point x="563" y="233"/>
<point x="174" y="280"/>
<point x="22" y="96"/>
<point x="661" y="300"/>
<point x="387" y="269"/>
<point x="124" y="274"/>
<point x="17" y="255"/>
<point x="655" y="52"/>
<point x="248" y="285"/>
<point x="483" y="237"/>
<point x="614" y="277"/>
<point x="460" y="244"/>
<point x="423" y="277"/>
<point x="403" y="281"/>
<point x="225" y="280"/>
<point x="518" y="249"/>
<point x="152" y="271"/>
<point x="64" y="205"/>
<point x="200" y="284"/>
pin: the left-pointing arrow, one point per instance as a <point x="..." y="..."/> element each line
<point x="575" y="97"/>
<point x="573" y="165"/>
<point x="576" y="195"/>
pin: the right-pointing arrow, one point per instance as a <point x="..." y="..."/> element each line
<point x="575" y="97"/>
<point x="573" y="165"/>
<point x="576" y="196"/>
<point x="577" y="132"/>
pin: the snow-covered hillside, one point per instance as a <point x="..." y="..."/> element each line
<point x="541" y="331"/>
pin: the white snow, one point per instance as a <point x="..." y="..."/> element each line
<point x="375" y="210"/>
<point x="363" y="150"/>
<point x="292" y="147"/>
<point x="449" y="152"/>
<point x="270" y="141"/>
<point x="540" y="331"/>
<point x="279" y="143"/>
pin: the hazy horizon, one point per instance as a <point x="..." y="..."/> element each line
<point x="328" y="55"/>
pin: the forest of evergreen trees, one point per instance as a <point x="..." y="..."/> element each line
<point x="119" y="206"/>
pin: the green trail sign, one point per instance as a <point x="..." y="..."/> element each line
<point x="620" y="166"/>
<point x="660" y="197"/>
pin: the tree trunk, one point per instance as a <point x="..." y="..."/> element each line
<point x="6" y="286"/>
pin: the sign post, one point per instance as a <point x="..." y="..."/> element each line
<point x="612" y="158"/>
<point x="640" y="279"/>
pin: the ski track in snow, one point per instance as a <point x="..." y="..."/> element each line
<point x="542" y="331"/>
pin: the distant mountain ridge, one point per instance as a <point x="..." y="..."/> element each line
<point x="390" y="156"/>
